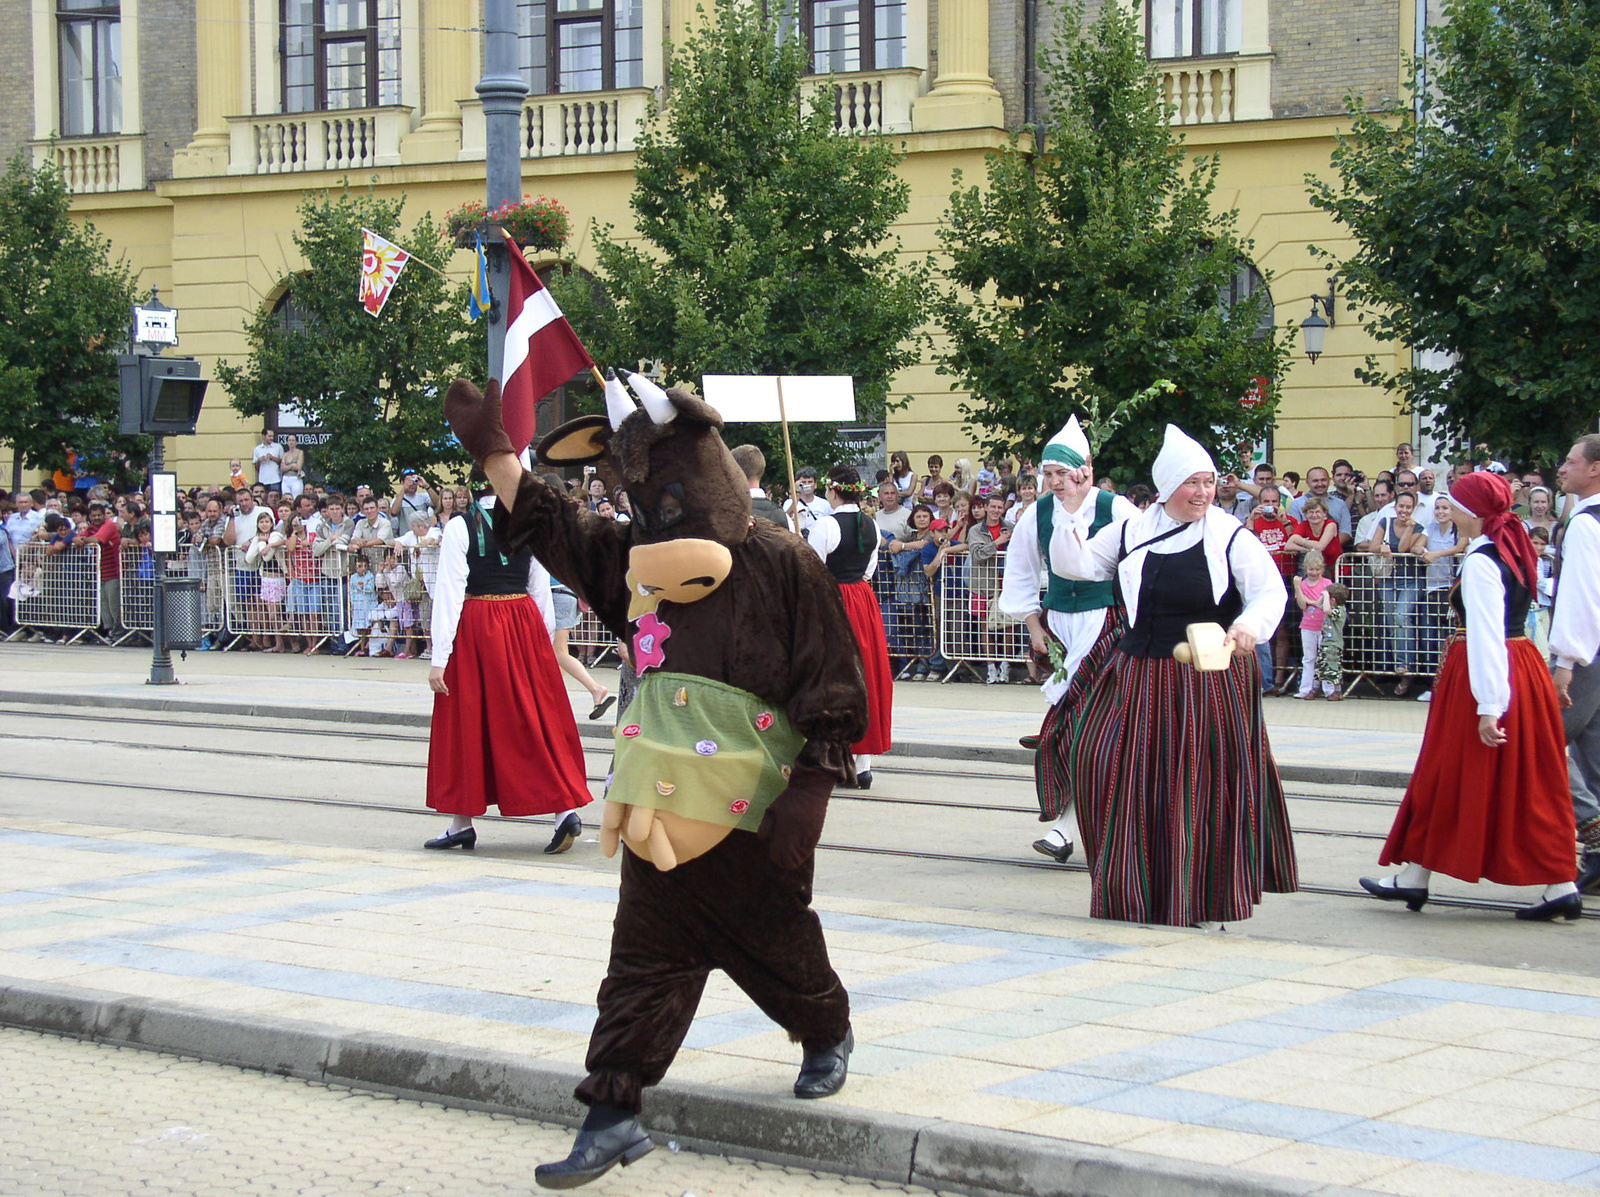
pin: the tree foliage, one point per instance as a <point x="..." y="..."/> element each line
<point x="65" y="309"/>
<point x="376" y="386"/>
<point x="1479" y="230"/>
<point x="1087" y="272"/>
<point x="764" y="237"/>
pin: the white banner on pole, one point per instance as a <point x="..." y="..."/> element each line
<point x="753" y="398"/>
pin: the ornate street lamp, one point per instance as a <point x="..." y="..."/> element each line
<point x="1314" y="329"/>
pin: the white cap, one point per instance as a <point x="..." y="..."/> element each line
<point x="1069" y="447"/>
<point x="1181" y="458"/>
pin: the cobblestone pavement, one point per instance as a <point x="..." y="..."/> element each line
<point x="91" y="1120"/>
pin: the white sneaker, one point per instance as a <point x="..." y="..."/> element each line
<point x="990" y="678"/>
<point x="1425" y="696"/>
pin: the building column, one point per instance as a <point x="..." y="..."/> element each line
<point x="219" y="77"/>
<point x="449" y="60"/>
<point x="963" y="95"/>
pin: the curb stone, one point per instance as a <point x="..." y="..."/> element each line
<point x="946" y="1156"/>
<point x="927" y="750"/>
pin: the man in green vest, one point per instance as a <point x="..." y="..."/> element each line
<point x="1083" y="620"/>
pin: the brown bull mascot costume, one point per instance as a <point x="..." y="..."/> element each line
<point x="750" y="696"/>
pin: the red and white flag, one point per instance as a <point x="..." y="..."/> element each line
<point x="541" y="350"/>
<point x="381" y="263"/>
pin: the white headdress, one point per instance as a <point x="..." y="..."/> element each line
<point x="1069" y="447"/>
<point x="1181" y="458"/>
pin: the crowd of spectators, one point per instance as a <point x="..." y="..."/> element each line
<point x="322" y="570"/>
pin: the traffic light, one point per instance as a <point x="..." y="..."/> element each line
<point x="160" y="395"/>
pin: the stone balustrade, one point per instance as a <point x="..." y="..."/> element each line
<point x="344" y="139"/>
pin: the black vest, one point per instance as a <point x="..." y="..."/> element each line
<point x="848" y="563"/>
<point x="1175" y="591"/>
<point x="488" y="571"/>
<point x="1518" y="596"/>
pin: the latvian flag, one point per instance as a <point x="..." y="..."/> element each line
<point x="542" y="351"/>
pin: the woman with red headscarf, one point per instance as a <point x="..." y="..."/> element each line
<point x="1489" y="799"/>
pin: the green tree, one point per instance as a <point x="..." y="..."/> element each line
<point x="65" y="307"/>
<point x="764" y="236"/>
<point x="376" y="385"/>
<point x="1090" y="270"/>
<point x="1479" y="230"/>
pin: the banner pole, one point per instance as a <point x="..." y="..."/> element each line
<point x="788" y="459"/>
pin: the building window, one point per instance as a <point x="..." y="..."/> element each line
<point x="1193" y="28"/>
<point x="581" y="45"/>
<point x="1245" y="284"/>
<point x="90" y="36"/>
<point x="340" y="54"/>
<point x="854" y="35"/>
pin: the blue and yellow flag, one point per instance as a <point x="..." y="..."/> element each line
<point x="478" y="296"/>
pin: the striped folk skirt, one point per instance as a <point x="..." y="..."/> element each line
<point x="1182" y="809"/>
<point x="1052" y="771"/>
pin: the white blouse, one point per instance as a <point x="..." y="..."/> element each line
<point x="450" y="591"/>
<point x="1249" y="565"/>
<point x="825" y="534"/>
<point x="1575" y="625"/>
<point x="1483" y="592"/>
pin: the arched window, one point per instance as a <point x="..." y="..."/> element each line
<point x="1246" y="283"/>
<point x="580" y="45"/>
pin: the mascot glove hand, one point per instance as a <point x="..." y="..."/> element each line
<point x="475" y="419"/>
<point x="793" y="823"/>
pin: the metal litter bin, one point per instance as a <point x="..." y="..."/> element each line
<point x="181" y="612"/>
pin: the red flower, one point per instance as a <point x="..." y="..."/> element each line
<point x="739" y="805"/>
<point x="763" y="720"/>
<point x="631" y="730"/>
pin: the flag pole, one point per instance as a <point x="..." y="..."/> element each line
<point x="788" y="458"/>
<point x="595" y="370"/>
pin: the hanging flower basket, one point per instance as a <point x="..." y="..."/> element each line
<point x="534" y="222"/>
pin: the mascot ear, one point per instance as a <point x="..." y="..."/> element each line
<point x="577" y="442"/>
<point x="694" y="409"/>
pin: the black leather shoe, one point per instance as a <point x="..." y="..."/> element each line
<point x="1568" y="906"/>
<point x="1060" y="854"/>
<point x="1415" y="899"/>
<point x="864" y="780"/>
<point x="568" y="829"/>
<point x="822" y="1074"/>
<point x="594" y="1153"/>
<point x="466" y="838"/>
<point x="1589" y="871"/>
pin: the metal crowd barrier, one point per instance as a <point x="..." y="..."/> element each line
<point x="1396" y="624"/>
<point x="59" y="592"/>
<point x="138" y="585"/>
<point x="972" y="629"/>
<point x="590" y="641"/>
<point x="905" y="596"/>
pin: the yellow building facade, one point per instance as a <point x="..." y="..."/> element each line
<point x="196" y="177"/>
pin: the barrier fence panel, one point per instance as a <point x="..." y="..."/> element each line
<point x="138" y="588"/>
<point x="1399" y="615"/>
<point x="389" y="600"/>
<point x="972" y="629"/>
<point x="906" y="598"/>
<point x="60" y="592"/>
<point x="589" y="641"/>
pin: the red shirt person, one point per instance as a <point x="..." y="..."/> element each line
<point x="1317" y="531"/>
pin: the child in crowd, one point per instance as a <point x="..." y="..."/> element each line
<point x="1309" y="588"/>
<point x="236" y="478"/>
<point x="988" y="478"/>
<point x="1330" y="655"/>
<point x="383" y="629"/>
<point x="363" y="599"/>
<point x="1544" y="595"/>
<point x="397" y="577"/>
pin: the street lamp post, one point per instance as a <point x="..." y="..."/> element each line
<point x="502" y="91"/>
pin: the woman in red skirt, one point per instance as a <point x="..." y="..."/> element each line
<point x="847" y="542"/>
<point x="503" y="732"/>
<point x="1489" y="799"/>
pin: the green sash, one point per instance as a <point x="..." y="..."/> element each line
<point x="704" y="750"/>
<point x="1064" y="595"/>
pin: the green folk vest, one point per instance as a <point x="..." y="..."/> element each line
<point x="1064" y="595"/>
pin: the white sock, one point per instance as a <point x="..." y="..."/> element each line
<point x="460" y="823"/>
<point x="1063" y="826"/>
<point x="863" y="763"/>
<point x="1413" y="876"/>
<point x="1559" y="890"/>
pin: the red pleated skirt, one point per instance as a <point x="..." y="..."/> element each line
<point x="1479" y="813"/>
<point x="866" y="621"/>
<point x="504" y="736"/>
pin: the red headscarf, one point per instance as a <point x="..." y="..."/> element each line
<point x="1487" y="497"/>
